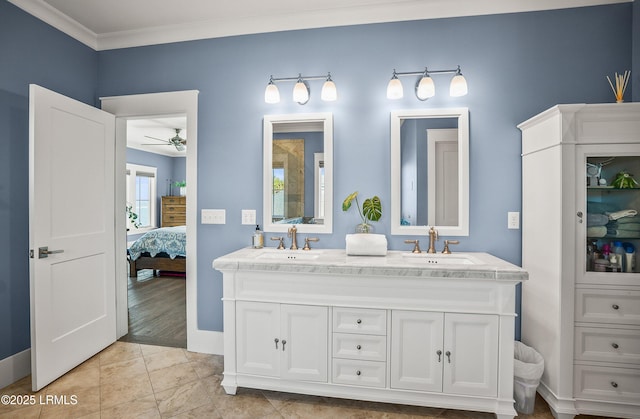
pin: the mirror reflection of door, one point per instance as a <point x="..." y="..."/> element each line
<point x="442" y="145"/>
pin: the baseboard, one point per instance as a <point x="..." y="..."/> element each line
<point x="206" y="341"/>
<point x="560" y="408"/>
<point x="15" y="367"/>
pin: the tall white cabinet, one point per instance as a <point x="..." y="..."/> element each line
<point x="578" y="311"/>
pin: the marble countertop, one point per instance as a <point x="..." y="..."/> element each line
<point x="463" y="265"/>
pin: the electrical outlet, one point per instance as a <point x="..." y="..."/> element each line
<point x="213" y="216"/>
<point x="513" y="220"/>
<point x="249" y="217"/>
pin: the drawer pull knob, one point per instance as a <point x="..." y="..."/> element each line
<point x="359" y="373"/>
<point x="439" y="353"/>
<point x="359" y="321"/>
<point x="359" y="347"/>
<point x="614" y="384"/>
<point x="615" y="306"/>
<point x="615" y="345"/>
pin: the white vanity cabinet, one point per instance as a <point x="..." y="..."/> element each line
<point x="445" y="352"/>
<point x="389" y="329"/>
<point x="582" y="314"/>
<point x="282" y="340"/>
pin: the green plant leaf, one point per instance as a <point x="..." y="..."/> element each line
<point x="346" y="204"/>
<point x="372" y="208"/>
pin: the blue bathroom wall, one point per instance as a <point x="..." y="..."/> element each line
<point x="30" y="52"/>
<point x="516" y="65"/>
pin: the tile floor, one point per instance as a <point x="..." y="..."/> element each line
<point x="130" y="380"/>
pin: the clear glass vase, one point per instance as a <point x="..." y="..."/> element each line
<point x="364" y="228"/>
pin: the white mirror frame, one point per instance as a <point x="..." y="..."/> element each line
<point x="326" y="119"/>
<point x="462" y="114"/>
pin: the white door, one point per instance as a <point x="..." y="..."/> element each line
<point x="416" y="350"/>
<point x="304" y="335"/>
<point x="471" y="354"/>
<point x="442" y="178"/>
<point x="258" y="338"/>
<point x="71" y="214"/>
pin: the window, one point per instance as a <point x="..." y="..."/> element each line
<point x="142" y="196"/>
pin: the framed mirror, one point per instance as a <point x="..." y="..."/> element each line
<point x="298" y="173"/>
<point x="430" y="171"/>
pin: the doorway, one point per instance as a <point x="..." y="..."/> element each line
<point x="145" y="106"/>
<point x="156" y="230"/>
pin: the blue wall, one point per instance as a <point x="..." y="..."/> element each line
<point x="169" y="170"/>
<point x="516" y="65"/>
<point x="31" y="52"/>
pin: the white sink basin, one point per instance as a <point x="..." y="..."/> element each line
<point x="289" y="254"/>
<point x="441" y="259"/>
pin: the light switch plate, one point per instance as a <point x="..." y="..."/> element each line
<point x="513" y="220"/>
<point x="213" y="216"/>
<point x="249" y="216"/>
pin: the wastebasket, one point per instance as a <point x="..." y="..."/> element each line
<point x="528" y="368"/>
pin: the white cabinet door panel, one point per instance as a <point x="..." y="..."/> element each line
<point x="304" y="337"/>
<point x="257" y="331"/>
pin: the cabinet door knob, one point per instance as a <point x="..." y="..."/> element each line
<point x="284" y="342"/>
<point x="579" y="214"/>
<point x="359" y="321"/>
<point x="358" y="372"/>
<point x="439" y="353"/>
<point x="614" y="384"/>
<point x="615" y="345"/>
<point x="276" y="340"/>
<point x="615" y="306"/>
<point x="448" y="354"/>
<point x="359" y="347"/>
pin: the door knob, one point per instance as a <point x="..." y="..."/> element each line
<point x="44" y="252"/>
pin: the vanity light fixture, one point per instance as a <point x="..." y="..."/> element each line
<point x="425" y="88"/>
<point x="301" y="91"/>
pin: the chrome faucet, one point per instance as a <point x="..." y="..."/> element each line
<point x="433" y="236"/>
<point x="293" y="233"/>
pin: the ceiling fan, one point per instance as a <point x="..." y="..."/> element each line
<point x="177" y="141"/>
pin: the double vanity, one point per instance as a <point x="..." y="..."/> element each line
<point x="419" y="329"/>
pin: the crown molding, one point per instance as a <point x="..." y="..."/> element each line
<point x="396" y="11"/>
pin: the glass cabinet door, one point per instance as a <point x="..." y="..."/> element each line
<point x="608" y="213"/>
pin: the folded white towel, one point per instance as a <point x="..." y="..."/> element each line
<point x="624" y="213"/>
<point x="366" y="244"/>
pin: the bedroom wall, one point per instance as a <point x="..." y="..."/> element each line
<point x="516" y="65"/>
<point x="31" y="52"/>
<point x="166" y="173"/>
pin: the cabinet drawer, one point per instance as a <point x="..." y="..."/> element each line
<point x="360" y="320"/>
<point x="174" y="219"/>
<point x="358" y="346"/>
<point x="607" y="384"/>
<point x="174" y="200"/>
<point x="174" y="209"/>
<point x="359" y="373"/>
<point x="608" y="306"/>
<point x="607" y="344"/>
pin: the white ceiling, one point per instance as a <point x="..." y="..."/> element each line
<point x="110" y="24"/>
<point x="161" y="129"/>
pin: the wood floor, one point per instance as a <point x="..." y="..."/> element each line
<point x="157" y="310"/>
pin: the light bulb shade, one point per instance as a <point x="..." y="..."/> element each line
<point x="329" y="92"/>
<point x="300" y="92"/>
<point x="271" y="93"/>
<point x="458" y="86"/>
<point x="425" y="88"/>
<point x="394" y="89"/>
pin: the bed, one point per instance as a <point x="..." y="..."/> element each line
<point x="162" y="249"/>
